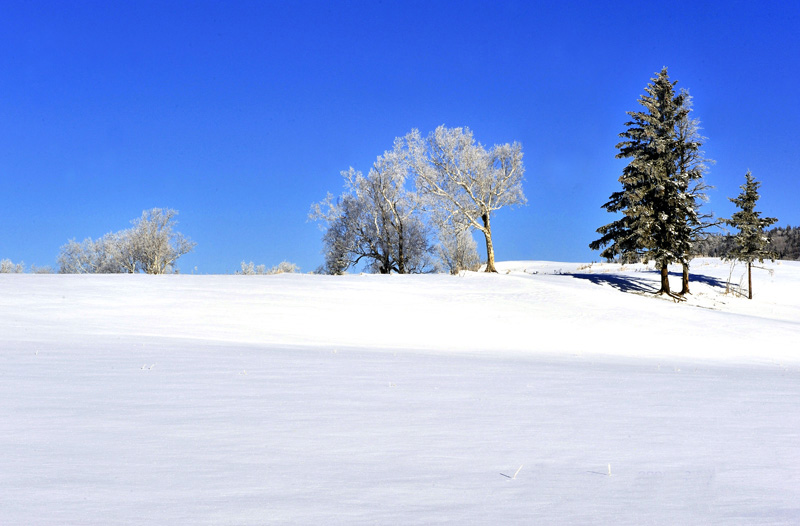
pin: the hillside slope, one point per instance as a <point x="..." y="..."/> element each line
<point x="554" y="393"/>
<point x="531" y="307"/>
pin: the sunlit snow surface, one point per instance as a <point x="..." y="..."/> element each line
<point x="362" y="399"/>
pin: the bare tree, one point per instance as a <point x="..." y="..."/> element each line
<point x="155" y="243"/>
<point x="456" y="246"/>
<point x="150" y="246"/>
<point x="111" y="254"/>
<point x="9" y="267"/>
<point x="250" y="269"/>
<point x="284" y="267"/>
<point x="465" y="180"/>
<point x="376" y="220"/>
<point x="78" y="258"/>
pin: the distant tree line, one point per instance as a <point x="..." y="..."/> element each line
<point x="784" y="241"/>
<point x="415" y="209"/>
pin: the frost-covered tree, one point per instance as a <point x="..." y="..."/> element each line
<point x="151" y="246"/>
<point x="284" y="267"/>
<point x="692" y="165"/>
<point x="459" y="176"/>
<point x="376" y="220"/>
<point x="89" y="257"/>
<point x="157" y="246"/>
<point x="653" y="198"/>
<point x="113" y="253"/>
<point x="752" y="243"/>
<point x="250" y="269"/>
<point x="9" y="267"/>
<point x="456" y="246"/>
<point x="341" y="241"/>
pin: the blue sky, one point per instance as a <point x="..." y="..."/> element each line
<point x="242" y="114"/>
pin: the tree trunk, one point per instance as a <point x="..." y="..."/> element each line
<point x="489" y="248"/>
<point x="386" y="265"/>
<point x="401" y="259"/>
<point x="749" y="282"/>
<point x="685" y="282"/>
<point x="664" y="279"/>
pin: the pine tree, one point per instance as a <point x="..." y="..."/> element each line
<point x="653" y="194"/>
<point x="752" y="243"/>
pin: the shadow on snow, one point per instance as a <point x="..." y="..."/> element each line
<point x="628" y="283"/>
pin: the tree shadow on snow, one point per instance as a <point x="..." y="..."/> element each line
<point x="629" y="283"/>
<point x="694" y="278"/>
<point x="623" y="283"/>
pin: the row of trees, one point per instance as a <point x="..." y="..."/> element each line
<point x="151" y="246"/>
<point x="784" y="242"/>
<point x="663" y="189"/>
<point x="419" y="203"/>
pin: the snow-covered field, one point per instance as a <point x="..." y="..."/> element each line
<point x="363" y="399"/>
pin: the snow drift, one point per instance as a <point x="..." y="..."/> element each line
<point x="369" y="399"/>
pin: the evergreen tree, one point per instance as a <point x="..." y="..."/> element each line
<point x="653" y="195"/>
<point x="751" y="241"/>
<point x="691" y="166"/>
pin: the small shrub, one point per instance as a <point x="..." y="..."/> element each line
<point x="284" y="267"/>
<point x="9" y="267"/>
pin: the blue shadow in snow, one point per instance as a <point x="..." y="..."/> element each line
<point x="629" y="283"/>
<point x="695" y="278"/>
<point x="623" y="283"/>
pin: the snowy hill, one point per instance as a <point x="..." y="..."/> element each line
<point x="364" y="399"/>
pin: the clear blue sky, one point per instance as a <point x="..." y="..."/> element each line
<point x="242" y="114"/>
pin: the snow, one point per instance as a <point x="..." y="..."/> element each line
<point x="364" y="399"/>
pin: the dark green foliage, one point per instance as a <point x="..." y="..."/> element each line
<point x="650" y="192"/>
<point x="660" y="195"/>
<point x="751" y="242"/>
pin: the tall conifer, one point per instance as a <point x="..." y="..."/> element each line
<point x="652" y="199"/>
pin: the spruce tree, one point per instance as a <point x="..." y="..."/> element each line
<point x="653" y="225"/>
<point x="691" y="166"/>
<point x="752" y="243"/>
